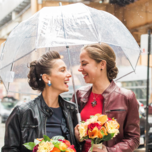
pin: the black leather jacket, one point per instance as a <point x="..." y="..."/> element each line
<point x="28" y="122"/>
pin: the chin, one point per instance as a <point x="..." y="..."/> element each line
<point x="65" y="90"/>
<point x="87" y="81"/>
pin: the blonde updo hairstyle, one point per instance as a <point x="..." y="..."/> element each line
<point x="99" y="52"/>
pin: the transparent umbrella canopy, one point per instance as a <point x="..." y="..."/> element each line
<point x="64" y="29"/>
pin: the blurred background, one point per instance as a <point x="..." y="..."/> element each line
<point x="136" y="15"/>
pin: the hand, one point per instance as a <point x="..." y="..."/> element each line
<point x="104" y="149"/>
<point x="77" y="135"/>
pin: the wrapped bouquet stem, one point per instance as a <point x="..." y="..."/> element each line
<point x="96" y="146"/>
<point x="98" y="128"/>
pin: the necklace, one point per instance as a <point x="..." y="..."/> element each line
<point x="94" y="102"/>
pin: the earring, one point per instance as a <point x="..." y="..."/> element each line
<point x="49" y="83"/>
<point x="101" y="69"/>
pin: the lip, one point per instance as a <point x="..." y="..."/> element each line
<point x="67" y="86"/>
<point x="67" y="81"/>
<point x="85" y="75"/>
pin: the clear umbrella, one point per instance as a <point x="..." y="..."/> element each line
<point x="64" y="29"/>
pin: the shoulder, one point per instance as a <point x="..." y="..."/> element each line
<point x="84" y="88"/>
<point x="70" y="103"/>
<point x="23" y="107"/>
<point x="128" y="94"/>
<point x="125" y="92"/>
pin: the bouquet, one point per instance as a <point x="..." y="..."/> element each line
<point x="45" y="144"/>
<point x="98" y="128"/>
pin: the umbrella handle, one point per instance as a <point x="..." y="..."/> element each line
<point x="78" y="117"/>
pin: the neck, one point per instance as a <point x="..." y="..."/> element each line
<point x="51" y="97"/>
<point x="100" y="86"/>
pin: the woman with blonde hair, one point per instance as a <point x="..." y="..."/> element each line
<point x="98" y="66"/>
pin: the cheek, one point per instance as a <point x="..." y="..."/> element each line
<point x="57" y="79"/>
<point x="91" y="70"/>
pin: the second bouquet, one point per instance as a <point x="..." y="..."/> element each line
<point x="98" y="128"/>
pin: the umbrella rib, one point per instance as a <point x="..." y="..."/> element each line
<point x="94" y="26"/>
<point x="125" y="75"/>
<point x="138" y="58"/>
<point x="4" y="84"/>
<point x="17" y="59"/>
<point x="24" y="93"/>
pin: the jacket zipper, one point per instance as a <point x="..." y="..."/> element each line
<point x="116" y="110"/>
<point x="45" y="125"/>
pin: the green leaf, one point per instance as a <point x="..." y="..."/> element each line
<point x="91" y="116"/>
<point x="36" y="142"/>
<point x="82" y="121"/>
<point x="102" y="132"/>
<point x="56" y="143"/>
<point x="46" y="138"/>
<point x="85" y="138"/>
<point x="108" y="137"/>
<point x="58" y="137"/>
<point x="29" y="145"/>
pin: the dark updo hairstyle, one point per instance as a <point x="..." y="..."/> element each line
<point x="39" y="67"/>
<point x="99" y="52"/>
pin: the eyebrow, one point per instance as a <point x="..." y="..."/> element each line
<point x="62" y="67"/>
<point x="83" y="61"/>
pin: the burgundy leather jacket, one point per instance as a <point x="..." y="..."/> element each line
<point x="123" y="106"/>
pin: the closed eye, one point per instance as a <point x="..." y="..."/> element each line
<point x="84" y="64"/>
<point x="62" y="70"/>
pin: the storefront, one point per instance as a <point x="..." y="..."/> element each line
<point x="137" y="82"/>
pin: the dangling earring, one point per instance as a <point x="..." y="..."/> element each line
<point x="101" y="69"/>
<point x="49" y="83"/>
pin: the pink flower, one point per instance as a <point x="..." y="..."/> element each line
<point x="35" y="148"/>
<point x="109" y="119"/>
<point x="61" y="140"/>
<point x="92" y="125"/>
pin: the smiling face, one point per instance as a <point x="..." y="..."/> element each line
<point x="90" y="69"/>
<point x="60" y="76"/>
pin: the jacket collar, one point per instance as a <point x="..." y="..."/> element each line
<point x="109" y="90"/>
<point x="44" y="107"/>
<point x="85" y="92"/>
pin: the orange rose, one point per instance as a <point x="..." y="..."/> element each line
<point x="100" y="134"/>
<point x="67" y="143"/>
<point x="55" y="150"/>
<point x="94" y="133"/>
<point x="63" y="146"/>
<point x="104" y="130"/>
<point x="102" y="119"/>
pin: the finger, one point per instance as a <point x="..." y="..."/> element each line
<point x="97" y="150"/>
<point x="77" y="126"/>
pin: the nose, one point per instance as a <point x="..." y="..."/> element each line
<point x="80" y="69"/>
<point x="68" y="74"/>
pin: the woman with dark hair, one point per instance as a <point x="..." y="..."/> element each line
<point x="98" y="66"/>
<point x="48" y="114"/>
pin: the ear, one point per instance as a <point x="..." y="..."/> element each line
<point x="103" y="64"/>
<point x="46" y="78"/>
